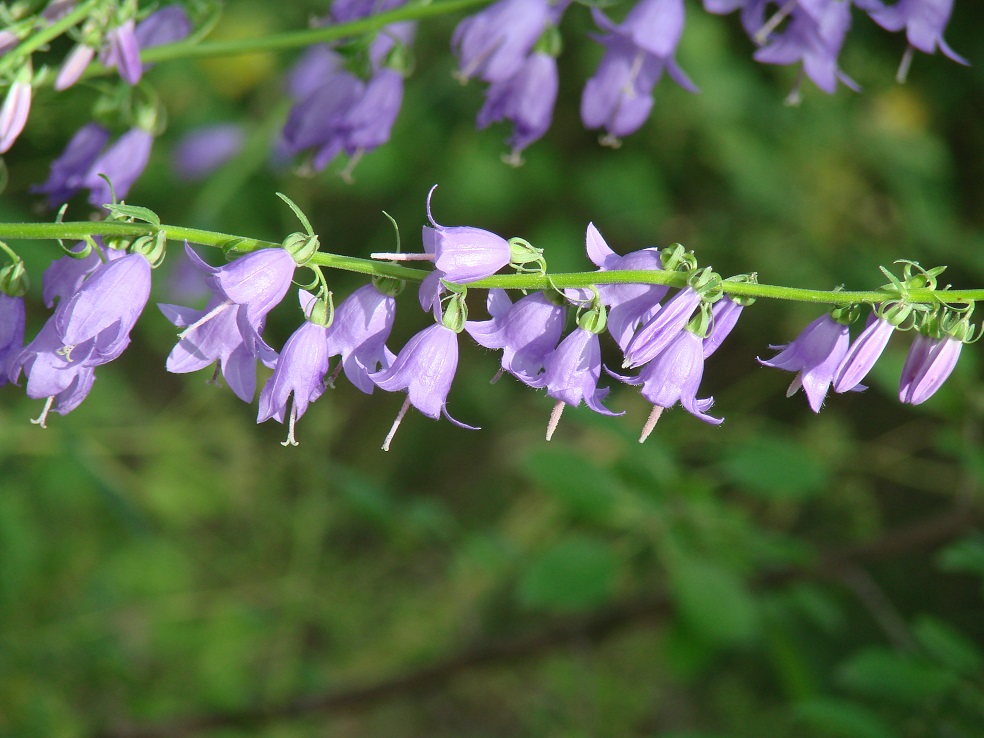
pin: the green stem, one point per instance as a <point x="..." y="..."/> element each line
<point x="36" y="40"/>
<point x="240" y="244"/>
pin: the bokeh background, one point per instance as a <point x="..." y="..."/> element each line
<point x="168" y="568"/>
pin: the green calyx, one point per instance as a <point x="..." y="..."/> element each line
<point x="708" y="284"/>
<point x="675" y="258"/>
<point x="594" y="317"/>
<point x="301" y="246"/>
<point x="455" y="311"/>
<point x="743" y="279"/>
<point x="153" y="248"/>
<point x="322" y="310"/>
<point x="14" y="280"/>
<point x="846" y="314"/>
<point x="522" y="253"/>
<point x="701" y="323"/>
<point x="390" y="286"/>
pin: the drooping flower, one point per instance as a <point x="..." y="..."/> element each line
<point x="168" y="25"/>
<point x="368" y="123"/>
<point x="300" y="371"/>
<point x="123" y="52"/>
<point x="526" y="99"/>
<point x="75" y="64"/>
<point x="203" y="150"/>
<point x="359" y="331"/>
<point x="814" y="355"/>
<point x="923" y="20"/>
<point x="929" y="363"/>
<point x="527" y="332"/>
<point x="64" y="276"/>
<point x="674" y="376"/>
<point x="12" y="317"/>
<point x="68" y="171"/>
<point x="461" y="253"/>
<point x="660" y="330"/>
<point x="123" y="162"/>
<point x="14" y="113"/>
<point x="724" y="316"/>
<point x="495" y="42"/>
<point x="618" y="97"/>
<point x="863" y="354"/>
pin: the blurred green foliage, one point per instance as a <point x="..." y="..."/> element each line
<point x="161" y="556"/>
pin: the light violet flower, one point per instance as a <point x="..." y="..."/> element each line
<point x="75" y="64"/>
<point x="618" y="97"/>
<point x="12" y="318"/>
<point x="425" y="368"/>
<point x="814" y="355"/>
<point x="657" y="333"/>
<point x="929" y="363"/>
<point x="361" y="325"/>
<point x="464" y="254"/>
<point x="64" y="276"/>
<point x="165" y="26"/>
<point x="527" y="332"/>
<point x="724" y="315"/>
<point x="924" y="22"/>
<point x="68" y="171"/>
<point x="494" y="43"/>
<point x="526" y="99"/>
<point x="368" y="122"/>
<point x="123" y="162"/>
<point x="674" y="376"/>
<point x="14" y="113"/>
<point x="203" y="150"/>
<point x="123" y="52"/>
<point x="300" y="372"/>
<point x="863" y="354"/>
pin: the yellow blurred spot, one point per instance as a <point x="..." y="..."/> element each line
<point x="234" y="75"/>
<point x="900" y="111"/>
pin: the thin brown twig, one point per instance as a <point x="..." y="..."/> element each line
<point x="592" y="627"/>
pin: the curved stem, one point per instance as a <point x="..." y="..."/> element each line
<point x="242" y="245"/>
<point x="37" y="40"/>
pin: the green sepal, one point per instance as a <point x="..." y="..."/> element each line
<point x="390" y="286"/>
<point x="594" y="318"/>
<point x="700" y="324"/>
<point x="455" y="312"/>
<point x="14" y="280"/>
<point x="708" y="284"/>
<point x="301" y="246"/>
<point x="322" y="311"/>
<point x="522" y="252"/>
<point x="153" y="248"/>
<point x="742" y="300"/>
<point x="550" y="42"/>
<point x="846" y="314"/>
<point x="675" y="258"/>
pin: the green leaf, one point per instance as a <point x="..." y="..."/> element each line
<point x="775" y="468"/>
<point x="947" y="645"/>
<point x="575" y="573"/>
<point x="878" y="672"/>
<point x="582" y="487"/>
<point x="833" y="717"/>
<point x="964" y="555"/>
<point x="714" y="601"/>
<point x="135" y="212"/>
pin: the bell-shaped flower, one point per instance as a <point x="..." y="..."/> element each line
<point x="368" y="123"/>
<point x="526" y="99"/>
<point x="168" y="25"/>
<point x="12" y="316"/>
<point x="14" y="113"/>
<point x="660" y="330"/>
<point x="203" y="150"/>
<point x="75" y="64"/>
<point x="464" y="254"/>
<point x="68" y="171"/>
<point x="361" y="325"/>
<point x="724" y="316"/>
<point x="494" y="43"/>
<point x="64" y="276"/>
<point x="923" y="20"/>
<point x="929" y="363"/>
<point x="863" y="354"/>
<point x="814" y="355"/>
<point x="674" y="376"/>
<point x="300" y="372"/>
<point x="123" y="162"/>
<point x="123" y="52"/>
<point x="527" y="332"/>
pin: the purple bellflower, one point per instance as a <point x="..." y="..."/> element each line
<point x="494" y="43"/>
<point x="368" y="123"/>
<point x="660" y="330"/>
<point x="229" y="328"/>
<point x="618" y="97"/>
<point x="674" y="376"/>
<point x="628" y="304"/>
<point x="75" y="64"/>
<point x="724" y="315"/>
<point x="68" y="171"/>
<point x="300" y="371"/>
<point x="425" y="368"/>
<point x="64" y="276"/>
<point x="924" y="22"/>
<point x="203" y="150"/>
<point x="359" y="331"/>
<point x="527" y="99"/>
<point x="863" y="354"/>
<point x="123" y="52"/>
<point x="14" y="113"/>
<point x="165" y="26"/>
<point x="123" y="162"/>
<point x="929" y="363"/>
<point x="571" y="375"/>
<point x="12" y="316"/>
<point x="527" y="332"/>
<point x="814" y="355"/>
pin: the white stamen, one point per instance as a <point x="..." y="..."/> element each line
<point x="401" y="257"/>
<point x="215" y="379"/>
<point x="396" y="424"/>
<point x="795" y="384"/>
<point x="346" y="173"/>
<point x="762" y="34"/>
<point x="651" y="423"/>
<point x="330" y="380"/>
<point x="904" y="65"/>
<point x="497" y="376"/>
<point x="291" y="441"/>
<point x="40" y="420"/>
<point x="205" y="318"/>
<point x="66" y="351"/>
<point x="555" y="414"/>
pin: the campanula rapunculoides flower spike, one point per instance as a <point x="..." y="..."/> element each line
<point x="362" y="324"/>
<point x="123" y="162"/>
<point x="300" y="372"/>
<point x="15" y="110"/>
<point x="425" y="368"/>
<point x="924" y="22"/>
<point x="527" y="332"/>
<point x="674" y="376"/>
<point x="494" y="43"/>
<point x="814" y="355"/>
<point x="12" y="316"/>
<point x="863" y="354"/>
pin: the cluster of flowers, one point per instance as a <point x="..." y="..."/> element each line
<point x="101" y="291"/>
<point x="347" y="97"/>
